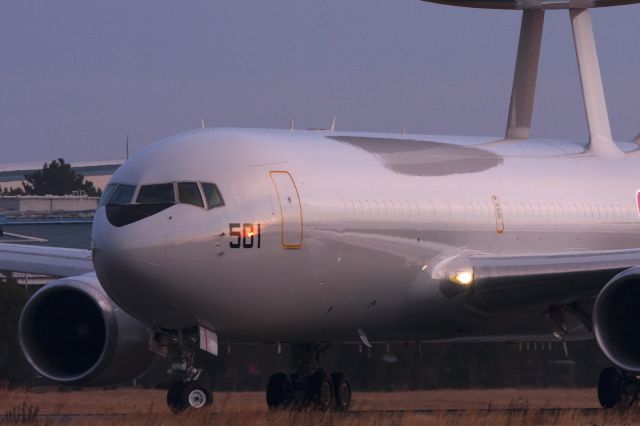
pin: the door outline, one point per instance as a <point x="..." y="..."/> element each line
<point x="295" y="187"/>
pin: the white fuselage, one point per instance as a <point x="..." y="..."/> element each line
<point x="353" y="238"/>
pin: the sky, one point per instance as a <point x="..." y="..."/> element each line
<point x="77" y="77"/>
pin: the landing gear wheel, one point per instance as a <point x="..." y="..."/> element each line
<point x="196" y="395"/>
<point x="609" y="387"/>
<point x="174" y="398"/>
<point x="279" y="391"/>
<point x="341" y="391"/>
<point x="320" y="391"/>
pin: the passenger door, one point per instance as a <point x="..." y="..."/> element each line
<point x="290" y="209"/>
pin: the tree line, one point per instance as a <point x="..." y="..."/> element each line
<point x="55" y="178"/>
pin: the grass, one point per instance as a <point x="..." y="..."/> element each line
<point x="450" y="407"/>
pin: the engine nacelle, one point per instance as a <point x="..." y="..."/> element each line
<point x="71" y="332"/>
<point x="616" y="320"/>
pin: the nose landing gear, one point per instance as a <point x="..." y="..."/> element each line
<point x="309" y="386"/>
<point x="190" y="395"/>
<point x="187" y="392"/>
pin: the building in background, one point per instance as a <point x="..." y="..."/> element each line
<point x="98" y="172"/>
<point x="47" y="203"/>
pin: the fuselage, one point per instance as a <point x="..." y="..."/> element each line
<point x="326" y="233"/>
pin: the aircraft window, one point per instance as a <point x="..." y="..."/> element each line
<point x="539" y="208"/>
<point x="523" y="210"/>
<point x="507" y="209"/>
<point x="157" y="194"/>
<point x="211" y="193"/>
<point x="122" y="195"/>
<point x="189" y="193"/>
<point x="108" y="192"/>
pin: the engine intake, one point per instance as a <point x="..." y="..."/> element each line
<point x="616" y="320"/>
<point x="72" y="333"/>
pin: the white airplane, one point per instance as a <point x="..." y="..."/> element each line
<point x="312" y="238"/>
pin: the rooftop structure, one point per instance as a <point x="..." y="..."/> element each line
<point x="47" y="203"/>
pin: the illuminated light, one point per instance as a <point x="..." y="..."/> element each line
<point x="251" y="234"/>
<point x="425" y="267"/>
<point x="462" y="277"/>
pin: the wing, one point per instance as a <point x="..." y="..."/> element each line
<point x="504" y="284"/>
<point x="52" y="261"/>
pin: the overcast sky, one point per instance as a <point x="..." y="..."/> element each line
<point x="77" y="76"/>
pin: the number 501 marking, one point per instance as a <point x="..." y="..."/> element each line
<point x="245" y="235"/>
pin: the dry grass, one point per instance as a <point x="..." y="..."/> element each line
<point x="476" y="407"/>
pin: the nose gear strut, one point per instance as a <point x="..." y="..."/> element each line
<point x="187" y="390"/>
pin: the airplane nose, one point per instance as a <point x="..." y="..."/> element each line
<point x="129" y="260"/>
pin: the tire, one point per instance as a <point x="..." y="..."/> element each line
<point x="174" y="398"/>
<point x="609" y="387"/>
<point x="341" y="392"/>
<point x="196" y="395"/>
<point x="279" y="391"/>
<point x="320" y="391"/>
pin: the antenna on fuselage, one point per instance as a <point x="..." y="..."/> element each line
<point x="332" y="128"/>
<point x="291" y="125"/>
<point x="524" y="81"/>
<point x="600" y="139"/>
<point x="525" y="75"/>
<point x="127" y="146"/>
<point x="202" y="122"/>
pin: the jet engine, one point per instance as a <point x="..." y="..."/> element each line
<point x="71" y="332"/>
<point x="616" y="320"/>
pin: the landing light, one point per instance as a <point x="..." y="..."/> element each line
<point x="462" y="278"/>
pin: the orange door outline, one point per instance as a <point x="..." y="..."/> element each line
<point x="283" y="242"/>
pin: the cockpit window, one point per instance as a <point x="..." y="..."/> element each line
<point x="189" y="193"/>
<point x="211" y="193"/>
<point x="122" y="194"/>
<point x="108" y="192"/>
<point x="156" y="194"/>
